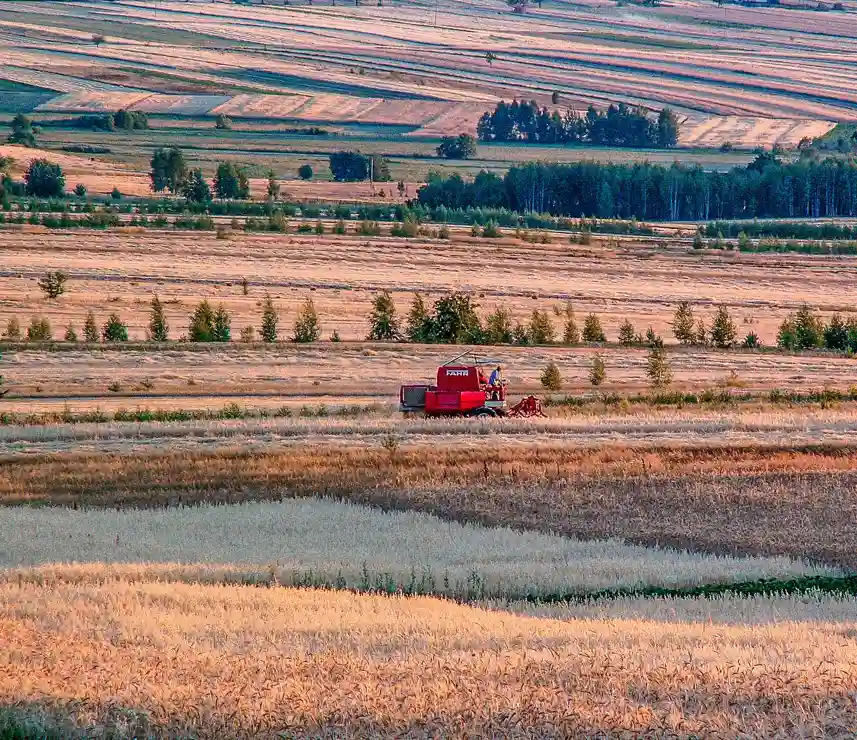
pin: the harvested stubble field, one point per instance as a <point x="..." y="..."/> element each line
<point x="725" y="499"/>
<point x="426" y="66"/>
<point x="173" y="659"/>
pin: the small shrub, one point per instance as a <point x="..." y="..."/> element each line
<point x="592" y="331"/>
<point x="551" y="379"/>
<point x="115" y="387"/>
<point x="248" y="334"/>
<point x="627" y="333"/>
<point x="368" y="228"/>
<point x="305" y="228"/>
<point x="39" y="330"/>
<point x="114" y="330"/>
<point x="70" y="334"/>
<point x="319" y="227"/>
<point x="13" y="329"/>
<point x="305" y="172"/>
<point x="52" y="284"/>
<point x="307" y="328"/>
<point x="751" y="341"/>
<point x="339" y="227"/>
<point x="491" y="230"/>
<point x="658" y="367"/>
<point x="541" y="330"/>
<point x="90" y="330"/>
<point x="443" y="232"/>
<point x="335" y="336"/>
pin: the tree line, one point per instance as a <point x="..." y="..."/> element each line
<point x="206" y="324"/>
<point x="765" y="188"/>
<point x="619" y="125"/>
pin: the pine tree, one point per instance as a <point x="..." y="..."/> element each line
<point x="627" y="334"/>
<point x="836" y="334"/>
<point x="419" y="322"/>
<point x="307" y="328"/>
<point x="270" y="319"/>
<point x="541" y="329"/>
<point x="551" y="378"/>
<point x="222" y="329"/>
<point x="383" y="322"/>
<point x="809" y="328"/>
<point x="90" y="329"/>
<point x="598" y="373"/>
<point x="658" y="367"/>
<point x="201" y="327"/>
<point x="570" y="332"/>
<point x="159" y="330"/>
<point x="723" y="329"/>
<point x="498" y="327"/>
<point x="70" y="334"/>
<point x="683" y="324"/>
<point x="786" y="335"/>
<point x="592" y="331"/>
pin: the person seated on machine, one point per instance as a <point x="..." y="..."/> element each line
<point x="482" y="380"/>
<point x="496" y="378"/>
<point x="495" y="382"/>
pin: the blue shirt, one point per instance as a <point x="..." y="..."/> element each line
<point x="495" y="377"/>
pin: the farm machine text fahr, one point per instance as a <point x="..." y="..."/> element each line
<point x="464" y="390"/>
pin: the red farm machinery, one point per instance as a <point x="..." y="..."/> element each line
<point x="465" y="390"/>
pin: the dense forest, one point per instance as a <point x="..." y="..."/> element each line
<point x="766" y="188"/>
<point x="617" y="126"/>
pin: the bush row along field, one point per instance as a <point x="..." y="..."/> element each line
<point x="52" y="412"/>
<point x="755" y="500"/>
<point x="326" y="543"/>
<point x="371" y="666"/>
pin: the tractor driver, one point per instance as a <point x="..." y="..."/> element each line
<point x="496" y="376"/>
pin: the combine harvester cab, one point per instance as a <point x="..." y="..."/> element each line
<point x="462" y="390"/>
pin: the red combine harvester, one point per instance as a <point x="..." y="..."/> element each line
<point x="463" y="390"/>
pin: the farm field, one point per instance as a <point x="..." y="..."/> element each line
<point x="485" y="672"/>
<point x="639" y="279"/>
<point x="393" y="79"/>
<point x="248" y="539"/>
<point x="353" y="63"/>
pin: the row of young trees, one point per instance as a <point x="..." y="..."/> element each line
<point x="766" y="188"/>
<point x="207" y="324"/>
<point x="619" y="125"/>
<point x="454" y="319"/>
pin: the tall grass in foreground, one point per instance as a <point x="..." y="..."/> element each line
<point x="336" y="544"/>
<point x="177" y="660"/>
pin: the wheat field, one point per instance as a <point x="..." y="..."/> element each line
<point x="340" y="543"/>
<point x="171" y="659"/>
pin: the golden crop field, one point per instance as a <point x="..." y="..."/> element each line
<point x="213" y="661"/>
